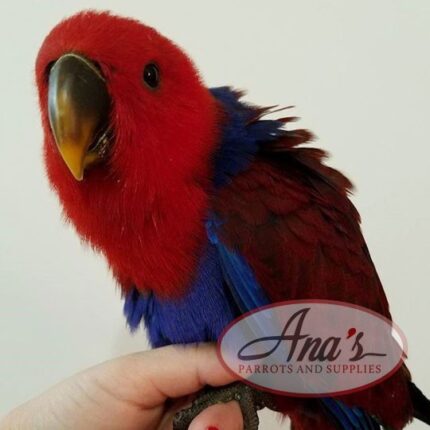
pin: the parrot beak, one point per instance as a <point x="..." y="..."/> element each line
<point x="79" y="107"/>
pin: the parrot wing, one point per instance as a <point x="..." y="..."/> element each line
<point x="285" y="229"/>
<point x="288" y="216"/>
<point x="236" y="235"/>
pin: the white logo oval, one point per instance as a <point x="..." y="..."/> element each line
<point x="310" y="348"/>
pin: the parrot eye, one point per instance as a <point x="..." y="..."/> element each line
<point x="151" y="75"/>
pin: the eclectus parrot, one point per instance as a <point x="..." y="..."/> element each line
<point x="203" y="208"/>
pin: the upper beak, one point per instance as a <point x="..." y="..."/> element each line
<point x="78" y="106"/>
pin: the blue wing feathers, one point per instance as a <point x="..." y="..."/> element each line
<point x="238" y="275"/>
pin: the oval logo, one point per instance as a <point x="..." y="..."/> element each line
<point x="310" y="348"/>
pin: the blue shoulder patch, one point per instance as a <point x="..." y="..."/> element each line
<point x="242" y="134"/>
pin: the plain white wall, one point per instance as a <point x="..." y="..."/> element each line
<point x="358" y="73"/>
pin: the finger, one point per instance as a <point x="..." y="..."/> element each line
<point x="151" y="377"/>
<point x="224" y="416"/>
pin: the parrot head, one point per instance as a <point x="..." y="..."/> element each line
<point x="112" y="91"/>
<point x="129" y="131"/>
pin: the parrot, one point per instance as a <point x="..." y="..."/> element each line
<point x="203" y="206"/>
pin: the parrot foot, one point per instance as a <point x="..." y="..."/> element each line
<point x="249" y="399"/>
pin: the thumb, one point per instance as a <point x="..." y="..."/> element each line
<point x="150" y="378"/>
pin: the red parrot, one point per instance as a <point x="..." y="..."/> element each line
<point x="203" y="208"/>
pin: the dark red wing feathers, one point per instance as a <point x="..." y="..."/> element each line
<point x="293" y="222"/>
<point x="290" y="216"/>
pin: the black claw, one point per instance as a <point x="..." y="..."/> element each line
<point x="250" y="401"/>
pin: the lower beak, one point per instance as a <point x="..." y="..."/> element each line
<point x="79" y="107"/>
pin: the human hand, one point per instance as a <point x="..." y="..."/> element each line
<point x="140" y="391"/>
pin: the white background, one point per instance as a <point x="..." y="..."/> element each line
<point x="359" y="74"/>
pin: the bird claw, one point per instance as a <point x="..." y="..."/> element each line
<point x="249" y="399"/>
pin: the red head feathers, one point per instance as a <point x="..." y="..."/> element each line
<point x="140" y="199"/>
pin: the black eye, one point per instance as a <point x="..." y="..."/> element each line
<point x="151" y="75"/>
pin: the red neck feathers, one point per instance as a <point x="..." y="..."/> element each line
<point x="144" y="207"/>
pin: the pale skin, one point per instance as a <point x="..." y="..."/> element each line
<point x="138" y="391"/>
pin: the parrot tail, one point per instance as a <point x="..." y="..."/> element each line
<point x="421" y="404"/>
